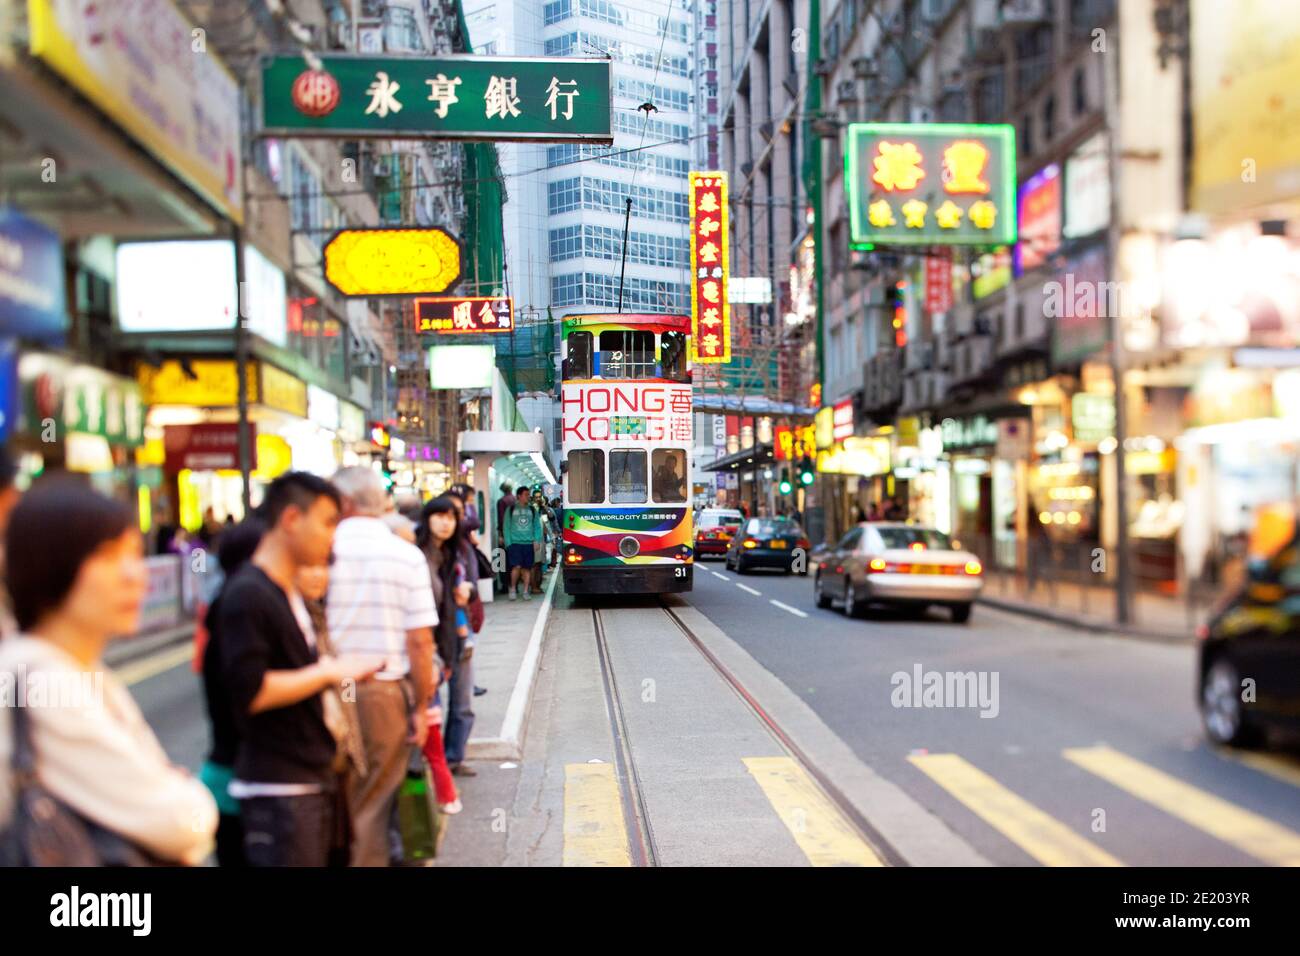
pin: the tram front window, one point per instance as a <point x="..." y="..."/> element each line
<point x="672" y="356"/>
<point x="627" y="477"/>
<point x="669" y="475"/>
<point x="586" y="473"/>
<point x="627" y="353"/>
<point x="577" y="363"/>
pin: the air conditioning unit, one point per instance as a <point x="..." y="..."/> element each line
<point x="983" y="325"/>
<point x="824" y="67"/>
<point x="922" y="114"/>
<point x="846" y="91"/>
<point x="746" y="168"/>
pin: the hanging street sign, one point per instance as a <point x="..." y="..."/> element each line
<point x="710" y="308"/>
<point x="465" y="316"/>
<point x="931" y="184"/>
<point x="371" y="262"/>
<point x="547" y="99"/>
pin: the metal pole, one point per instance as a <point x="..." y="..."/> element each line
<point x="622" y="273"/>
<point x="1123" y="582"/>
<point x="241" y="369"/>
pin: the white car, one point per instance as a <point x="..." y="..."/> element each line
<point x="891" y="563"/>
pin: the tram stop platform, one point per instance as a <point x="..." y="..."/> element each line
<point x="625" y="731"/>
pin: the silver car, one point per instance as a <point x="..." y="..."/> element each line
<point x="891" y="563"/>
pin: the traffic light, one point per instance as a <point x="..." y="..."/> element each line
<point x="785" y="487"/>
<point x="806" y="474"/>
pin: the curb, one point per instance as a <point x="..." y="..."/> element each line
<point x="508" y="744"/>
<point x="1091" y="625"/>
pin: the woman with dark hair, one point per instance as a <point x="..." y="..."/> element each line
<point x="235" y="549"/>
<point x="77" y="574"/>
<point x="440" y="537"/>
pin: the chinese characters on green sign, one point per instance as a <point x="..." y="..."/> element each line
<point x="930" y="184"/>
<point x="456" y="97"/>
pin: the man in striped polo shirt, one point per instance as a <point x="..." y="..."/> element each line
<point x="380" y="601"/>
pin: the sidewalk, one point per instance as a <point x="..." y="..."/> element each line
<point x="1155" y="616"/>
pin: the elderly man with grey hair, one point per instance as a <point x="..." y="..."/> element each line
<point x="381" y="602"/>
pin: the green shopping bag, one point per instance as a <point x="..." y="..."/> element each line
<point x="419" y="821"/>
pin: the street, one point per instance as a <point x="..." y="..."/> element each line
<point x="1092" y="752"/>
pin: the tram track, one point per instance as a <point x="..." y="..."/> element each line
<point x="632" y="796"/>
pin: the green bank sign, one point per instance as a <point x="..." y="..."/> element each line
<point x="550" y="99"/>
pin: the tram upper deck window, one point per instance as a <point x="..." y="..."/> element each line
<point x="586" y="475"/>
<point x="627" y="353"/>
<point x="577" y="363"/>
<point x="627" y="477"/>
<point x="669" y="475"/>
<point x="672" y="356"/>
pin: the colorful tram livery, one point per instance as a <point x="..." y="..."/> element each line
<point x="627" y="438"/>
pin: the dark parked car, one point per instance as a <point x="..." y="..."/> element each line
<point x="1249" y="675"/>
<point x="769" y="543"/>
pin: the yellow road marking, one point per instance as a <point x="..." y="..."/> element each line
<point x="1280" y="766"/>
<point x="1043" y="837"/>
<point x="1247" y="831"/>
<point x="594" y="832"/>
<point x="155" y="664"/>
<point x="819" y="829"/>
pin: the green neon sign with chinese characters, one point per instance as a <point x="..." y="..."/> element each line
<point x="546" y="99"/>
<point x="930" y="184"/>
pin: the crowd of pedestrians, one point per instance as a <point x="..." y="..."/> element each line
<point x="336" y="656"/>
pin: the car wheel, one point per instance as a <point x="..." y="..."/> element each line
<point x="1222" y="712"/>
<point x="819" y="592"/>
<point x="960" y="613"/>
<point x="851" y="606"/>
<point x="741" y="566"/>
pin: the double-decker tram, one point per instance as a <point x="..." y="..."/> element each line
<point x="627" y="437"/>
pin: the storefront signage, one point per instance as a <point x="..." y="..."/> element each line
<point x="824" y="427"/>
<point x="373" y="262"/>
<point x="931" y="184"/>
<point x="1087" y="188"/>
<point x="462" y="366"/>
<point x="1246" y="148"/>
<point x="596" y="413"/>
<point x="32" y="300"/>
<point x="80" y="399"/>
<point x="183" y="285"/>
<point x="444" y="96"/>
<point x="1092" y="417"/>
<point x="938" y="282"/>
<point x="710" y="236"/>
<point x="794" y="443"/>
<point x="843" y="419"/>
<point x="1013" y="439"/>
<point x="137" y="63"/>
<point x="1040" y="219"/>
<point x="1079" y="305"/>
<point x="283" y="391"/>
<point x="450" y="315"/>
<point x="207" y="446"/>
<point x="977" y="431"/>
<point x="990" y="272"/>
<point x="352" y="422"/>
<point x="323" y="408"/>
<point x="856" y="456"/>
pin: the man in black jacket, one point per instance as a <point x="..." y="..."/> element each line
<point x="285" y="770"/>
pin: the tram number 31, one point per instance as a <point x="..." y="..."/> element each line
<point x="679" y="571"/>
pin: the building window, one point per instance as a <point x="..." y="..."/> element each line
<point x="627" y="353"/>
<point x="1026" y="136"/>
<point x="556" y="10"/>
<point x="1049" y="119"/>
<point x="577" y="361"/>
<point x="1080" y="84"/>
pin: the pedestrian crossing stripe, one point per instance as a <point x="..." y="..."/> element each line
<point x="819" y="829"/>
<point x="1278" y="766"/>
<point x="1044" y="838"/>
<point x="1249" y="832"/>
<point x="594" y="830"/>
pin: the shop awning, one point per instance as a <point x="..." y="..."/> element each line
<point x="744" y="460"/>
